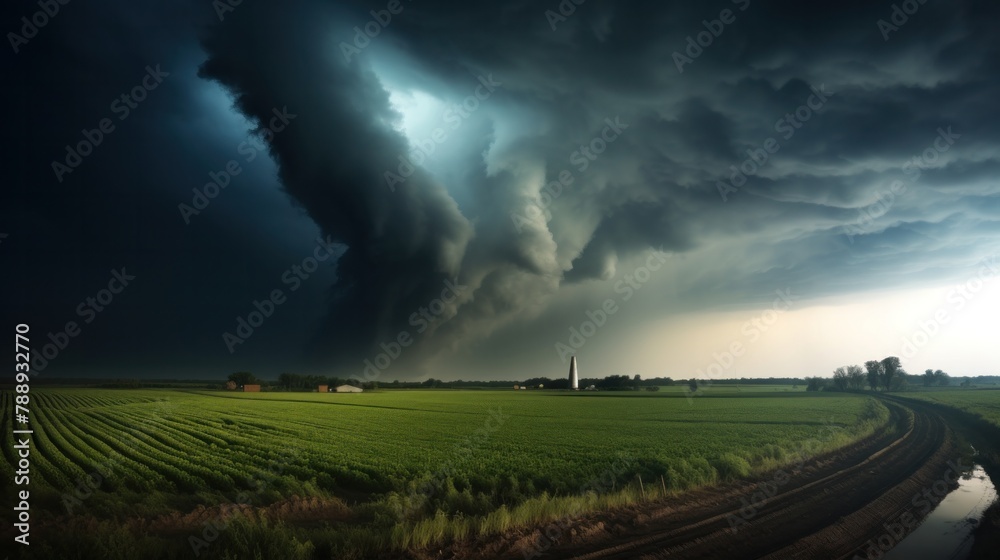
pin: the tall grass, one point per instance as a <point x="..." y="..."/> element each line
<point x="680" y="476"/>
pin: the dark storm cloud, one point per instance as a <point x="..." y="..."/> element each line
<point x="118" y="208"/>
<point x="656" y="185"/>
<point x="401" y="246"/>
<point x="815" y="215"/>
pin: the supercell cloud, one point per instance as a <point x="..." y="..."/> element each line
<point x="491" y="172"/>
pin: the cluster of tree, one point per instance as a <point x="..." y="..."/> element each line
<point x="241" y="378"/>
<point x="609" y="383"/>
<point x="886" y="374"/>
<point x="562" y="383"/>
<point x="617" y="383"/>
<point x="626" y="383"/>
<point x="935" y="377"/>
<point x="817" y="384"/>
<point x="848" y="378"/>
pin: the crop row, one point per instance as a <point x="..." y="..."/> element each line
<point x="491" y="446"/>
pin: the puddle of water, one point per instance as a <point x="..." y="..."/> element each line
<point x="946" y="533"/>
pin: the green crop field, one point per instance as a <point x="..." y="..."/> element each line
<point x="982" y="402"/>
<point x="400" y="468"/>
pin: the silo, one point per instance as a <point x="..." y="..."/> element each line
<point x="574" y="379"/>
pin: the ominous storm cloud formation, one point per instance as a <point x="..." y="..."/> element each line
<point x="663" y="144"/>
<point x="401" y="246"/>
<point x="404" y="247"/>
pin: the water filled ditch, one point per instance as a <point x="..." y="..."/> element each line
<point x="946" y="532"/>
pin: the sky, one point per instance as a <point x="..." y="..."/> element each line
<point x="403" y="190"/>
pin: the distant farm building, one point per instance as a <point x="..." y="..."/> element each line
<point x="322" y="388"/>
<point x="347" y="389"/>
<point x="251" y="388"/>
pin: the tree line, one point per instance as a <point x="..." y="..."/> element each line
<point x="886" y="374"/>
<point x="299" y="382"/>
<point x="293" y="381"/>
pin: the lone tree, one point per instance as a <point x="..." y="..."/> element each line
<point x="890" y="368"/>
<point x="874" y="373"/>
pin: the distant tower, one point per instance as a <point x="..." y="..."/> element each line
<point x="574" y="379"/>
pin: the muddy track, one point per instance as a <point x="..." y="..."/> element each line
<point x="828" y="508"/>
